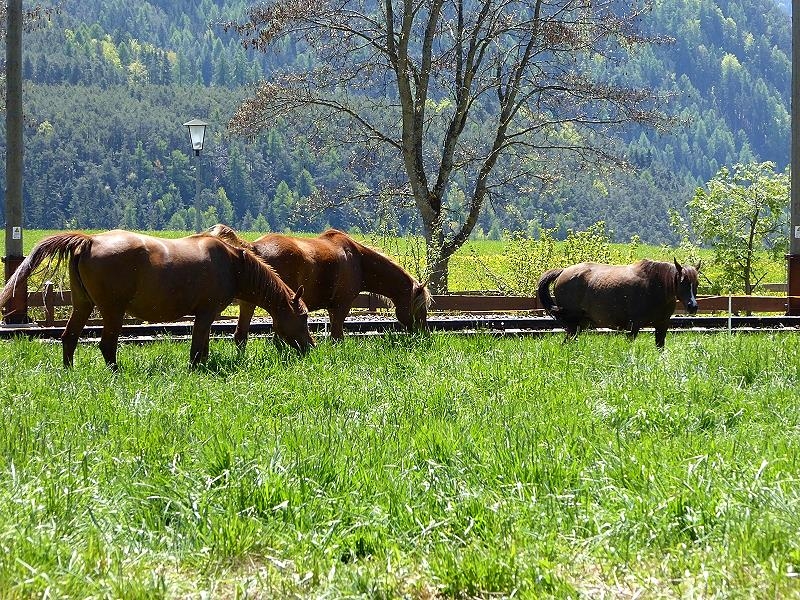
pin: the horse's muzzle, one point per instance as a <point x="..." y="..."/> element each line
<point x="691" y="307"/>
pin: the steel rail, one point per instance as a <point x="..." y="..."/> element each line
<point x="495" y="323"/>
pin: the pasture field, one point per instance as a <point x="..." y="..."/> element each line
<point x="439" y="466"/>
<point x="478" y="266"/>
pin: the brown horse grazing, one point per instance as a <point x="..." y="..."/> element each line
<point x="333" y="268"/>
<point x="619" y="297"/>
<point x="157" y="279"/>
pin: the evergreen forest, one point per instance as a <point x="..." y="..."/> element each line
<point x="108" y="85"/>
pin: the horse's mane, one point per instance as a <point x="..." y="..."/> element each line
<point x="663" y="272"/>
<point x="229" y="236"/>
<point x="422" y="299"/>
<point x="257" y="273"/>
<point x="260" y="274"/>
<point x="421" y="296"/>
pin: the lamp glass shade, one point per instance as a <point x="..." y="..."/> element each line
<point x="197" y="133"/>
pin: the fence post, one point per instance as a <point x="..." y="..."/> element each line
<point x="49" y="304"/>
<point x="730" y="312"/>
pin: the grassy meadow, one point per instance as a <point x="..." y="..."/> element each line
<point x="480" y="265"/>
<point x="440" y="466"/>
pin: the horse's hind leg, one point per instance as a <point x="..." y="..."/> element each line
<point x="109" y="338"/>
<point x="81" y="309"/>
<point x="661" y="337"/>
<point x="571" y="332"/>
<point x="246" y="311"/>
<point x="337" y="316"/>
<point x="571" y="328"/>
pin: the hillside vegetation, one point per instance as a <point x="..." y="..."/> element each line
<point x="109" y="83"/>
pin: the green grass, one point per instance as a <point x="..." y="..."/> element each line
<point x="394" y="466"/>
<point x="477" y="266"/>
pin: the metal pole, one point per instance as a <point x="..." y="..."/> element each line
<point x="793" y="257"/>
<point x="16" y="310"/>
<point x="198" y="218"/>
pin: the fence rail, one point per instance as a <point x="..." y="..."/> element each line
<point x="49" y="299"/>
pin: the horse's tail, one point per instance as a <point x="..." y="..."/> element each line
<point x="229" y="236"/>
<point x="543" y="291"/>
<point x="58" y="247"/>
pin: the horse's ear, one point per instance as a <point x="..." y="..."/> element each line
<point x="699" y="262"/>
<point x="298" y="294"/>
<point x="677" y="265"/>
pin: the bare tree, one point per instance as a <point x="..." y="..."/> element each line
<point x="491" y="94"/>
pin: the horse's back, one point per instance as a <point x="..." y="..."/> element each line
<point x="289" y="255"/>
<point x="323" y="265"/>
<point x="157" y="278"/>
<point x="607" y="295"/>
<point x="113" y="261"/>
<point x="141" y="254"/>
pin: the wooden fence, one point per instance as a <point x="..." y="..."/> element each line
<point x="50" y="298"/>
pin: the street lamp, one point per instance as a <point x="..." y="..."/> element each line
<point x="197" y="133"/>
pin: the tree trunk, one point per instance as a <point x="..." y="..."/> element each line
<point x="436" y="257"/>
<point x="439" y="268"/>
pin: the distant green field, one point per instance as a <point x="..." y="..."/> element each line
<point x="426" y="467"/>
<point x="478" y="266"/>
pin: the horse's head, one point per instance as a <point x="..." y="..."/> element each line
<point x="686" y="278"/>
<point x="292" y="327"/>
<point x="414" y="313"/>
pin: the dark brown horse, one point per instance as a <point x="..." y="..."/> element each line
<point x="619" y="297"/>
<point x="157" y="279"/>
<point x="333" y="268"/>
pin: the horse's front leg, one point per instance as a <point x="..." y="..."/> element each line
<point x="201" y="332"/>
<point x="246" y="311"/>
<point x="112" y="327"/>
<point x="633" y="330"/>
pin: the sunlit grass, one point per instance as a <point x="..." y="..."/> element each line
<point x="396" y="466"/>
<point x="478" y="266"/>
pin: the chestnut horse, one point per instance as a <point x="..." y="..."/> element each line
<point x="333" y="268"/>
<point x="625" y="297"/>
<point x="157" y="279"/>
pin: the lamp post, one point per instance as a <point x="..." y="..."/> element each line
<point x="197" y="133"/>
<point x="16" y="310"/>
<point x="793" y="258"/>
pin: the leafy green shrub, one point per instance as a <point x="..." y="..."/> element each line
<point x="584" y="246"/>
<point x="527" y="257"/>
<point x="525" y="253"/>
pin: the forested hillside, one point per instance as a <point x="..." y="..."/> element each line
<point x="109" y="83"/>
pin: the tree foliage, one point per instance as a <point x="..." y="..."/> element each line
<point x="742" y="213"/>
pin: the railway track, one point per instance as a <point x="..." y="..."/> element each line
<point x="497" y="324"/>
